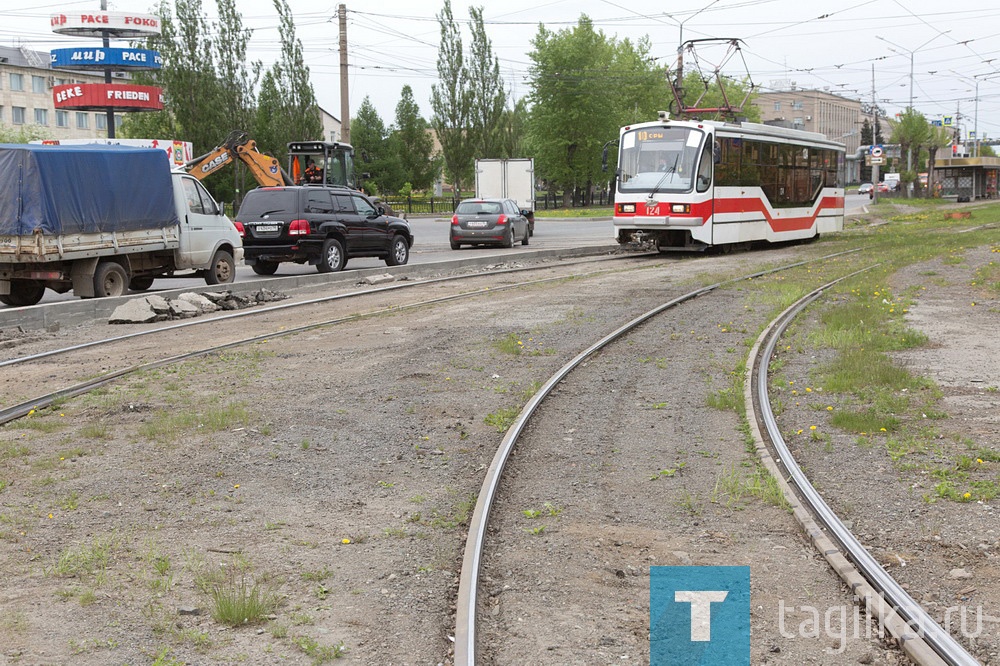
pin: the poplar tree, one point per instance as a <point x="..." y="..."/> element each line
<point x="417" y="163"/>
<point x="450" y="104"/>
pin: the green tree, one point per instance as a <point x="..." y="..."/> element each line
<point x="573" y="115"/>
<point x="911" y="132"/>
<point x="379" y="152"/>
<point x="23" y="134"/>
<point x="486" y="91"/>
<point x="418" y="166"/>
<point x="293" y="112"/>
<point x="512" y="129"/>
<point x="450" y="104"/>
<point x="938" y="138"/>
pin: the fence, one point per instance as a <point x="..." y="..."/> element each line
<point x="543" y="201"/>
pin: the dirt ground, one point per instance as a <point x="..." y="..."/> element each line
<point x="332" y="472"/>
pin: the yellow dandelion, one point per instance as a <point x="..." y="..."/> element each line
<point x="345" y="541"/>
<point x="979" y="460"/>
<point x="31" y="412"/>
<point x="62" y="457"/>
<point x="236" y="486"/>
<point x="791" y="382"/>
<point x="61" y="414"/>
<point x="812" y="427"/>
<point x="967" y="495"/>
<point x="50" y="515"/>
<point x="808" y="390"/>
<point x="799" y="431"/>
<point x="882" y="430"/>
<point x="794" y="392"/>
<point x="829" y="408"/>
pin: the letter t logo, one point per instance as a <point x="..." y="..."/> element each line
<point x="701" y="611"/>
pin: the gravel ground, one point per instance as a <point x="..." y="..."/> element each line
<point x="334" y="470"/>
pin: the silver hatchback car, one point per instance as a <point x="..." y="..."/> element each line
<point x="488" y="222"/>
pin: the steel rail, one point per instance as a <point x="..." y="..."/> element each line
<point x="468" y="585"/>
<point x="313" y="301"/>
<point x="923" y="639"/>
<point x="22" y="409"/>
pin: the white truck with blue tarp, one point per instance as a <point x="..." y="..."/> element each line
<point x="101" y="220"/>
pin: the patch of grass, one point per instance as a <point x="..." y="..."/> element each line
<point x="95" y="431"/>
<point x="238" y="599"/>
<point x="503" y="418"/>
<point x="86" y="560"/>
<point x="509" y="344"/>
<point x="168" y="425"/>
<point x="320" y="654"/>
<point x="734" y="485"/>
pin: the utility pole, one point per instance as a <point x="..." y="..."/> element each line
<point x="345" y="105"/>
<point x="107" y="77"/>
<point x="875" y="134"/>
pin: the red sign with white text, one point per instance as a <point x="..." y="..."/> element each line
<point x="100" y="96"/>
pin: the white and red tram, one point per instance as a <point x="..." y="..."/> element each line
<point x="689" y="185"/>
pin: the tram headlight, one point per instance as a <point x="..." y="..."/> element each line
<point x="626" y="208"/>
<point x="680" y="208"/>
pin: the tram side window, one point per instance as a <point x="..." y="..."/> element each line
<point x="727" y="171"/>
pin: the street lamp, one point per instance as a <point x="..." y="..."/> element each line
<point x="906" y="50"/>
<point x="909" y="152"/>
<point x="680" y="40"/>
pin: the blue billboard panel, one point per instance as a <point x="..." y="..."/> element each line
<point x="96" y="57"/>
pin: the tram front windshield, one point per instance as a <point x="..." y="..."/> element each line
<point x="660" y="159"/>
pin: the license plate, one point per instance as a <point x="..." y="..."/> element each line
<point x="267" y="227"/>
<point x="477" y="224"/>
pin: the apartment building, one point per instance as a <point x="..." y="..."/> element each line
<point x="26" y="82"/>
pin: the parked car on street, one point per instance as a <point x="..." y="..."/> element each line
<point x="321" y="225"/>
<point x="865" y="188"/>
<point x="488" y="222"/>
<point x="885" y="187"/>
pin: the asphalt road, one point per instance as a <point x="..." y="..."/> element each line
<point x="431" y="245"/>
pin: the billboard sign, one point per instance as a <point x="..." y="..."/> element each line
<point x="105" y="24"/>
<point x="101" y="96"/>
<point x="96" y="57"/>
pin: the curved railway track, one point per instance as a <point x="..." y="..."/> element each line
<point x="922" y="639"/>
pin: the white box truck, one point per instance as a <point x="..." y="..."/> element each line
<point x="103" y="219"/>
<point x="508" y="179"/>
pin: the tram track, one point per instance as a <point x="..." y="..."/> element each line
<point x="920" y="637"/>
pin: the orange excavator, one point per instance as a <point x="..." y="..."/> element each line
<point x="239" y="146"/>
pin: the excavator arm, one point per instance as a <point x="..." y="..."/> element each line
<point x="238" y="146"/>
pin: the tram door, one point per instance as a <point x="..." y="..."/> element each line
<point x="704" y="185"/>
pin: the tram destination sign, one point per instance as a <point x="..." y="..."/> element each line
<point x="97" y="57"/>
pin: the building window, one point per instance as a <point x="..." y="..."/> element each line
<point x="62" y="118"/>
<point x="17" y="82"/>
<point x="41" y="116"/>
<point x="38" y="84"/>
<point x="777" y="106"/>
<point x="100" y="121"/>
<point x="17" y="115"/>
<point x="82" y="120"/>
<point x="797" y="106"/>
<point x="798" y="121"/>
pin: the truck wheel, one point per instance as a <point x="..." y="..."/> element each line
<point x="399" y="252"/>
<point x="332" y="258"/>
<point x="110" y="279"/>
<point x="23" y="292"/>
<point x="222" y="270"/>
<point x="524" y="241"/>
<point x="265" y="267"/>
<point x="141" y="283"/>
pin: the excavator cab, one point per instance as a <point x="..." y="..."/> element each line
<point x="321" y="163"/>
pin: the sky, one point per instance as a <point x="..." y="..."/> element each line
<point x="861" y="49"/>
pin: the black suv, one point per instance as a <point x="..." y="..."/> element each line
<point x="318" y="224"/>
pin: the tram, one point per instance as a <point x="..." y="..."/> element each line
<point x="692" y="184"/>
